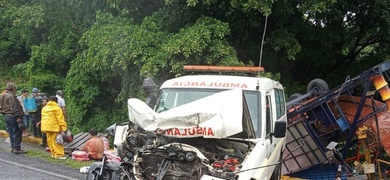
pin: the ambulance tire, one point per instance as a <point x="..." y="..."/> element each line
<point x="277" y="174"/>
<point x="318" y="85"/>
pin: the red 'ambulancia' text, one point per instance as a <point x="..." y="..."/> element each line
<point x="195" y="131"/>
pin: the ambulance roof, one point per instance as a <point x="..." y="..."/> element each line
<point x="221" y="82"/>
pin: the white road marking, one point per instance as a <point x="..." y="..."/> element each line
<point x="39" y="170"/>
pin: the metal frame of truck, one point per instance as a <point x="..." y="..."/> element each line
<point x="305" y="143"/>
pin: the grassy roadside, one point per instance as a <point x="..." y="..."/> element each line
<point x="67" y="162"/>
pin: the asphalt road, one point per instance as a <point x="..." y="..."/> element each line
<point x="22" y="167"/>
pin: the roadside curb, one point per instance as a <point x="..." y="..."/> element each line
<point x="30" y="139"/>
<point x="4" y="134"/>
<point x="78" y="140"/>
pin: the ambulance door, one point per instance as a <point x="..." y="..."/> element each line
<point x="268" y="125"/>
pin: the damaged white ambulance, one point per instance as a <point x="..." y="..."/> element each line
<point x="208" y="127"/>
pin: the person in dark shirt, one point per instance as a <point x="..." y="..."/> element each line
<point x="38" y="125"/>
<point x="36" y="116"/>
<point x="12" y="110"/>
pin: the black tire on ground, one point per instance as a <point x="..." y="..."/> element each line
<point x="294" y="96"/>
<point x="318" y="85"/>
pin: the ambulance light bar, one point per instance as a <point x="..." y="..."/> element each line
<point x="208" y="68"/>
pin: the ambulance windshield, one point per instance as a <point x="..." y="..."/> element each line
<point x="174" y="97"/>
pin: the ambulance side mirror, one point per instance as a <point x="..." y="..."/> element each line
<point x="280" y="129"/>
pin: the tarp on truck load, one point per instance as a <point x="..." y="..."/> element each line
<point x="348" y="106"/>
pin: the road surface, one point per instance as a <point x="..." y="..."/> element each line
<point x="23" y="167"/>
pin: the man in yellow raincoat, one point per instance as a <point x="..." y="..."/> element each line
<point x="53" y="123"/>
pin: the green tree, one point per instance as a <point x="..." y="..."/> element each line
<point x="18" y="26"/>
<point x="119" y="53"/>
<point x="99" y="52"/>
<point x="330" y="39"/>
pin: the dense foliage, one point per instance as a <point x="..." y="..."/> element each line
<point x="99" y="52"/>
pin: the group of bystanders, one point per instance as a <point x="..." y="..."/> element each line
<point x="47" y="117"/>
<point x="48" y="121"/>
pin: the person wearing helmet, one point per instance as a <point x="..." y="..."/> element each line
<point x="53" y="123"/>
<point x="12" y="110"/>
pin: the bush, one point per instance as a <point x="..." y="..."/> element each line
<point x="2" y="122"/>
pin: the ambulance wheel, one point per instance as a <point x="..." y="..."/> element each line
<point x="317" y="85"/>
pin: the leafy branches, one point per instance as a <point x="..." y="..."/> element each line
<point x="100" y="51"/>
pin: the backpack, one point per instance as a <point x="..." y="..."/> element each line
<point x="30" y="105"/>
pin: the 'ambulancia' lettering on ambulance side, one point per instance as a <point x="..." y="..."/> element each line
<point x="211" y="84"/>
<point x="188" y="132"/>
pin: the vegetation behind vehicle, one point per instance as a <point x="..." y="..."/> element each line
<point x="97" y="52"/>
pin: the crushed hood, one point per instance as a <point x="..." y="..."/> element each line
<point x="220" y="115"/>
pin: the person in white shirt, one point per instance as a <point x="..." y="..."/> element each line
<point x="61" y="102"/>
<point x="26" y="116"/>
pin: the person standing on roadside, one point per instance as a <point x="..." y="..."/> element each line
<point x="61" y="102"/>
<point x="38" y="125"/>
<point x="36" y="116"/>
<point x="12" y="110"/>
<point x="26" y="116"/>
<point x="53" y="123"/>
